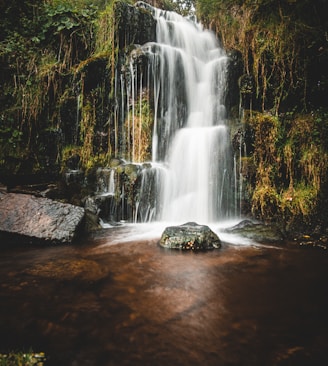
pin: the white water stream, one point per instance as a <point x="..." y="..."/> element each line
<point x="190" y="138"/>
<point x="191" y="174"/>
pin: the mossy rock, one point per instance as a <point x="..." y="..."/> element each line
<point x="120" y="169"/>
<point x="131" y="168"/>
<point x="189" y="236"/>
<point x="115" y="162"/>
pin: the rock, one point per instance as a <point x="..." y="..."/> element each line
<point x="190" y="236"/>
<point x="38" y="218"/>
<point x="259" y="232"/>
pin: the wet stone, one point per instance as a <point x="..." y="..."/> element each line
<point x="39" y="219"/>
<point x="189" y="236"/>
<point x="257" y="231"/>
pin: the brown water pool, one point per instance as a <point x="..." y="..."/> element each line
<point x="135" y="303"/>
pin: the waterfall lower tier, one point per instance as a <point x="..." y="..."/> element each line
<point x="197" y="180"/>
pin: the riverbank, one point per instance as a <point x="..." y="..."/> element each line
<point x="103" y="302"/>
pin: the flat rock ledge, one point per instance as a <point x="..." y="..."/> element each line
<point x="257" y="231"/>
<point x="39" y="219"/>
<point x="190" y="236"/>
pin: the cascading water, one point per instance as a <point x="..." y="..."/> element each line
<point x="172" y="89"/>
<point x="190" y="138"/>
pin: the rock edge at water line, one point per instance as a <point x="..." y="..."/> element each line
<point x="257" y="231"/>
<point x="189" y="236"/>
<point x="39" y="219"/>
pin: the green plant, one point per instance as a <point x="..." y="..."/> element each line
<point x="298" y="204"/>
<point x="290" y="159"/>
<point x="139" y="123"/>
<point x="22" y="359"/>
<point x="70" y="25"/>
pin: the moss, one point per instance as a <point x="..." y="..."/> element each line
<point x="290" y="166"/>
<point x="139" y="123"/>
<point x="29" y="358"/>
<point x="114" y="162"/>
<point x="266" y="132"/>
<point x="299" y="207"/>
<point x="265" y="201"/>
<point x="68" y="152"/>
<point x="61" y="75"/>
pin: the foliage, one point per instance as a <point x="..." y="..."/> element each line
<point x="140" y="124"/>
<point x="284" y="47"/>
<point x="291" y="159"/>
<point x="301" y="202"/>
<point x="265" y="198"/>
<point x="88" y="122"/>
<point x="40" y="44"/>
<point x="20" y="358"/>
<point x="70" y="27"/>
<point x="107" y="34"/>
<point x="183" y="7"/>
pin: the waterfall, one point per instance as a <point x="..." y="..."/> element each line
<point x="190" y="137"/>
<point x="105" y="181"/>
<point x="190" y="172"/>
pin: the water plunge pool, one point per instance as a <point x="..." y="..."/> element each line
<point x="135" y="303"/>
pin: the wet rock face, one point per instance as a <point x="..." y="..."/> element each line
<point x="190" y="236"/>
<point x="39" y="218"/>
<point x="259" y="232"/>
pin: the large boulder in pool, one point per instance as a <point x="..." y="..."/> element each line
<point x="190" y="236"/>
<point x="25" y="217"/>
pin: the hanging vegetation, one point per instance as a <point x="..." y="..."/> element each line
<point x="291" y="159"/>
<point x="283" y="45"/>
<point x="40" y="45"/>
<point x="59" y="61"/>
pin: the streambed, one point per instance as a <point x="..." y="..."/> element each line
<point x="106" y="302"/>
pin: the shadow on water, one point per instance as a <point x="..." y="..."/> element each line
<point x="135" y="303"/>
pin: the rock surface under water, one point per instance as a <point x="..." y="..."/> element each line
<point x="39" y="219"/>
<point x="190" y="236"/>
